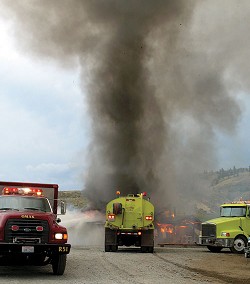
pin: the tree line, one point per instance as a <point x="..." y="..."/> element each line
<point x="222" y="174"/>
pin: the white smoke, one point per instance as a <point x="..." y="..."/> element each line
<point x="84" y="228"/>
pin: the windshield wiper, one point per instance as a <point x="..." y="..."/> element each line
<point x="8" y="208"/>
<point x="33" y="208"/>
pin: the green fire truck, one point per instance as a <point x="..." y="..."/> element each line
<point x="129" y="222"/>
<point x="231" y="230"/>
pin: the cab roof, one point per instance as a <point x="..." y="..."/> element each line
<point x="237" y="203"/>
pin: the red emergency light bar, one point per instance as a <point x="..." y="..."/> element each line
<point x="22" y="191"/>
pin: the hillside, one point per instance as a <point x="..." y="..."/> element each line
<point x="231" y="189"/>
<point x="222" y="190"/>
<point x="74" y="199"/>
<point x="226" y="189"/>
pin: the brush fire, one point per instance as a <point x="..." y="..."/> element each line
<point x="173" y="229"/>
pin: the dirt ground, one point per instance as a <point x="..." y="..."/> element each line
<point x="224" y="266"/>
<point x="167" y="265"/>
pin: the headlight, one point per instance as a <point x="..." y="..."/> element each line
<point x="225" y="234"/>
<point x="61" y="236"/>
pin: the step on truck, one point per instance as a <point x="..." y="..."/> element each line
<point x="231" y="230"/>
<point x="29" y="229"/>
<point x="129" y="222"/>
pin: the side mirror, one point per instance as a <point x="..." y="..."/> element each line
<point x="248" y="211"/>
<point x="63" y="207"/>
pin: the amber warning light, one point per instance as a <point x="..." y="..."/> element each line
<point x="22" y="191"/>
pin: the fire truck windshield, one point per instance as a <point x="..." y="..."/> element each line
<point x="233" y="211"/>
<point x="13" y="202"/>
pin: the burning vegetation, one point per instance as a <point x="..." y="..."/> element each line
<point x="174" y="229"/>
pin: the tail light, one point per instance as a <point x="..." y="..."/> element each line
<point x="111" y="217"/>
<point x="149" y="218"/>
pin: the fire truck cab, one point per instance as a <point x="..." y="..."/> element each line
<point x="231" y="230"/>
<point x="29" y="230"/>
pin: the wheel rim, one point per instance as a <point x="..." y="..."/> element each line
<point x="239" y="245"/>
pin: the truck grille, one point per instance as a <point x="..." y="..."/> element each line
<point x="27" y="231"/>
<point x="208" y="230"/>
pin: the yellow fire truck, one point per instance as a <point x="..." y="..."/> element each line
<point x="231" y="230"/>
<point x="129" y="222"/>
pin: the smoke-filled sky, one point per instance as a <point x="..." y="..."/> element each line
<point x="135" y="95"/>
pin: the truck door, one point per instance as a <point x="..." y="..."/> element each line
<point x="245" y="221"/>
<point x="133" y="213"/>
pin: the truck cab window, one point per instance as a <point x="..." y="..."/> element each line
<point x="24" y="203"/>
<point x="233" y="211"/>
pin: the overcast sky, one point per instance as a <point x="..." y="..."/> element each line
<point x="234" y="150"/>
<point x="45" y="126"/>
<point x="43" y="120"/>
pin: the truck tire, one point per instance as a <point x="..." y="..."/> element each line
<point x="150" y="249"/>
<point x="107" y="248"/>
<point x="214" y="249"/>
<point x="59" y="264"/>
<point x="239" y="244"/>
<point x="114" y="248"/>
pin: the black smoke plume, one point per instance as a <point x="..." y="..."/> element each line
<point x="156" y="89"/>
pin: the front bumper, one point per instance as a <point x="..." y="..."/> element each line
<point x="48" y="249"/>
<point x="217" y="242"/>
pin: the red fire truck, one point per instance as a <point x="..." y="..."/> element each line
<point x="29" y="230"/>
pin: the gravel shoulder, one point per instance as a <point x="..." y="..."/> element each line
<point x="90" y="264"/>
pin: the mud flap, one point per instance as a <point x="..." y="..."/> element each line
<point x="147" y="238"/>
<point x="110" y="237"/>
